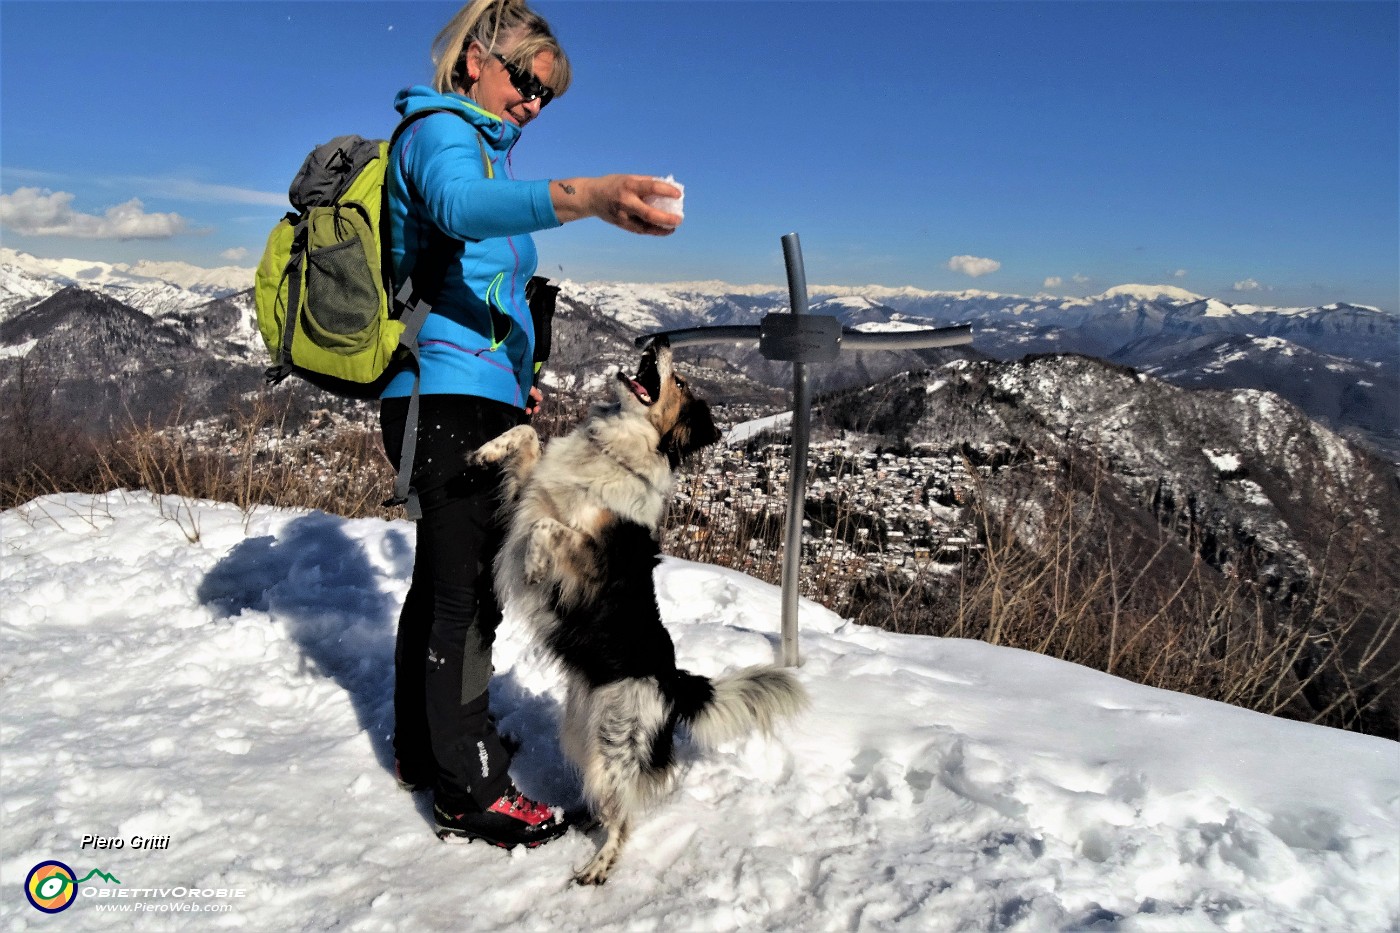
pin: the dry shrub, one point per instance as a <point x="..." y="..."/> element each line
<point x="40" y="451"/>
<point x="253" y="456"/>
<point x="1092" y="579"/>
<point x="1090" y="586"/>
<point x="332" y="463"/>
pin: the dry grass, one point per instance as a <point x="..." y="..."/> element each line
<point x="251" y="457"/>
<point x="1134" y="602"/>
<point x="1077" y="579"/>
<point x="1069" y="579"/>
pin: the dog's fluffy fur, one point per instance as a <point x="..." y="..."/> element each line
<point x="577" y="565"/>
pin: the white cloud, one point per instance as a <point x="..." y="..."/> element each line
<point x="1180" y="273"/>
<point x="40" y="212"/>
<point x="187" y="190"/>
<point x="1081" y="279"/>
<point x="1053" y="281"/>
<point x="973" y="265"/>
<point x="237" y="254"/>
<point x="32" y="175"/>
<point x="1249" y="285"/>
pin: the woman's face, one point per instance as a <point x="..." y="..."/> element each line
<point x="496" y="88"/>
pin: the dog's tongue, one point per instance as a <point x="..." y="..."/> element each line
<point x="640" y="391"/>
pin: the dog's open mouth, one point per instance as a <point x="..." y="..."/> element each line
<point x="646" y="385"/>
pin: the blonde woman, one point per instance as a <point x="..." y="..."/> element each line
<point x="460" y="227"/>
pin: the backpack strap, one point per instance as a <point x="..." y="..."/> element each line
<point x="415" y="313"/>
<point x="292" y="274"/>
<point x="417" y="115"/>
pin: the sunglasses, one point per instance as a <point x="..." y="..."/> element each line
<point x="531" y="87"/>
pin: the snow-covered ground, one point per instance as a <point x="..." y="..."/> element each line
<point x="221" y="683"/>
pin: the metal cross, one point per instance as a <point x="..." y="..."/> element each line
<point x="802" y="338"/>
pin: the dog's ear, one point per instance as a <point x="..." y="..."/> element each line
<point x="694" y="430"/>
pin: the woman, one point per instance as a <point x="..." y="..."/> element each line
<point x="460" y="227"/>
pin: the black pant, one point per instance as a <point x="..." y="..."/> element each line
<point x="443" y="731"/>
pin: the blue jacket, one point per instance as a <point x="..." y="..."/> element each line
<point x="436" y="179"/>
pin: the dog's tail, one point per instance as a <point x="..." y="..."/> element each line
<point x="748" y="700"/>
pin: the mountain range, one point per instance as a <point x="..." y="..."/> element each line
<point x="1339" y="363"/>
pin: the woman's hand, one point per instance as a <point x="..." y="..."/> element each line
<point x="618" y="199"/>
<point x="534" y="402"/>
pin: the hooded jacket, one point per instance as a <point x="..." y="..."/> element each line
<point x="465" y="240"/>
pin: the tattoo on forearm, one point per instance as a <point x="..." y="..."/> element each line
<point x="568" y="189"/>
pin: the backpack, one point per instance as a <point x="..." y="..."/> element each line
<point x="349" y="330"/>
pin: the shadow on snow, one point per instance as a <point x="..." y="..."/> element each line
<point x="320" y="583"/>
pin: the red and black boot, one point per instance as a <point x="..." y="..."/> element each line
<point x="512" y="820"/>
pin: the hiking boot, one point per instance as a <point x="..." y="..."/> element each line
<point x="511" y="821"/>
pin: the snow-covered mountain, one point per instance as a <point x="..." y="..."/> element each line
<point x="1159" y="328"/>
<point x="1359" y="395"/>
<point x="157" y="288"/>
<point x="1006" y="324"/>
<point x="642" y="306"/>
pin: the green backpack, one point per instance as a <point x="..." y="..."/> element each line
<point x="326" y="304"/>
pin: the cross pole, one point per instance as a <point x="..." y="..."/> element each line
<point x="802" y="338"/>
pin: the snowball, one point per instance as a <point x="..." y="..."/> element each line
<point x="669" y="205"/>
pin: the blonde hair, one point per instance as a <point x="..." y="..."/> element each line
<point x="492" y="24"/>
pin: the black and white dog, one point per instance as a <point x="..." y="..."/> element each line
<point x="577" y="565"/>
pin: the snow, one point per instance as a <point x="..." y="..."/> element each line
<point x="632" y="305"/>
<point x="20" y="288"/>
<point x="1223" y="461"/>
<point x="245" y="327"/>
<point x="741" y="433"/>
<point x="1150" y="292"/>
<point x="156" y="289"/>
<point x="160" y="288"/>
<point x="179" y="669"/>
<point x="208" y="283"/>
<point x="591" y="384"/>
<point x="1227" y="354"/>
<point x="1269" y="309"/>
<point x="1278" y="344"/>
<point x="218" y="281"/>
<point x="845" y="303"/>
<point x="1351" y="307"/>
<point x="888" y="327"/>
<point x="18" y="350"/>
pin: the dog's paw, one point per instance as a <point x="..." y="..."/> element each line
<point x="596" y="871"/>
<point x="537" y="564"/>
<point x="519" y="440"/>
<point x="547" y="539"/>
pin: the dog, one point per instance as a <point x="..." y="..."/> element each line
<point x="582" y="521"/>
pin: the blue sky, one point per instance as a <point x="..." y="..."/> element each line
<point x="1242" y="150"/>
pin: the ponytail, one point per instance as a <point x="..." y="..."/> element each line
<point x="492" y="24"/>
